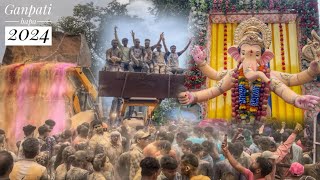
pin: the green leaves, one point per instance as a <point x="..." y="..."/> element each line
<point x="170" y="8"/>
<point x="161" y="112"/>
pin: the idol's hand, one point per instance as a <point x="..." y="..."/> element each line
<point x="198" y="55"/>
<point x="185" y="98"/>
<point x="307" y="102"/>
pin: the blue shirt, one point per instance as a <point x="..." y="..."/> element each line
<point x="195" y="140"/>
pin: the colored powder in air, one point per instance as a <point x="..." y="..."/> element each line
<point x="33" y="93"/>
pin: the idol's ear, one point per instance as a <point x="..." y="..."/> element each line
<point x="266" y="56"/>
<point x="234" y="53"/>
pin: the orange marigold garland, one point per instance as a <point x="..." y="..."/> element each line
<point x="249" y="99"/>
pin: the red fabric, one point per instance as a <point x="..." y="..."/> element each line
<point x="248" y="174"/>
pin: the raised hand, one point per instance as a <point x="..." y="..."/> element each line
<point x="283" y="125"/>
<point x="115" y="29"/>
<point x="162" y="35"/>
<point x="298" y="128"/>
<point x="224" y="145"/>
<point x="185" y="98"/>
<point x="132" y="33"/>
<point x="307" y="102"/>
<point x="198" y="54"/>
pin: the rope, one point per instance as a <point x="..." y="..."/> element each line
<point x="169" y="86"/>
<point x="124" y="84"/>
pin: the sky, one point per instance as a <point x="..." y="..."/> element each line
<point x="147" y="29"/>
<point x="177" y="34"/>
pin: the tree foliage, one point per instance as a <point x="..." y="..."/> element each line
<point x="87" y="19"/>
<point x="90" y="20"/>
<point x="160" y="114"/>
<point x="170" y="8"/>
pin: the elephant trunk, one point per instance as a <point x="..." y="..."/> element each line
<point x="315" y="35"/>
<point x="250" y="70"/>
<point x="249" y="63"/>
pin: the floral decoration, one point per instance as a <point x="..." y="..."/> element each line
<point x="249" y="100"/>
<point x="194" y="78"/>
<point x="198" y="21"/>
<point x="199" y="16"/>
<point x="306" y="10"/>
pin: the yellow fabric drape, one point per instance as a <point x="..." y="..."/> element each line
<point x="220" y="107"/>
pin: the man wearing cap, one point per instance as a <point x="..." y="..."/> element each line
<point x="136" y="154"/>
<point x="114" y="147"/>
<point x="272" y="158"/>
<point x="296" y="171"/>
<point x="28" y="133"/>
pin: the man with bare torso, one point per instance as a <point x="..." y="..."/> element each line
<point x="113" y="56"/>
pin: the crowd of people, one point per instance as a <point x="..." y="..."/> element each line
<point x="143" y="58"/>
<point x="175" y="151"/>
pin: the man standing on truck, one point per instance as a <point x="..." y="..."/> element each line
<point x="148" y="55"/>
<point x="125" y="51"/>
<point x="159" y="61"/>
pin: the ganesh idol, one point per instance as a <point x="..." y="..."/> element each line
<point x="252" y="80"/>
